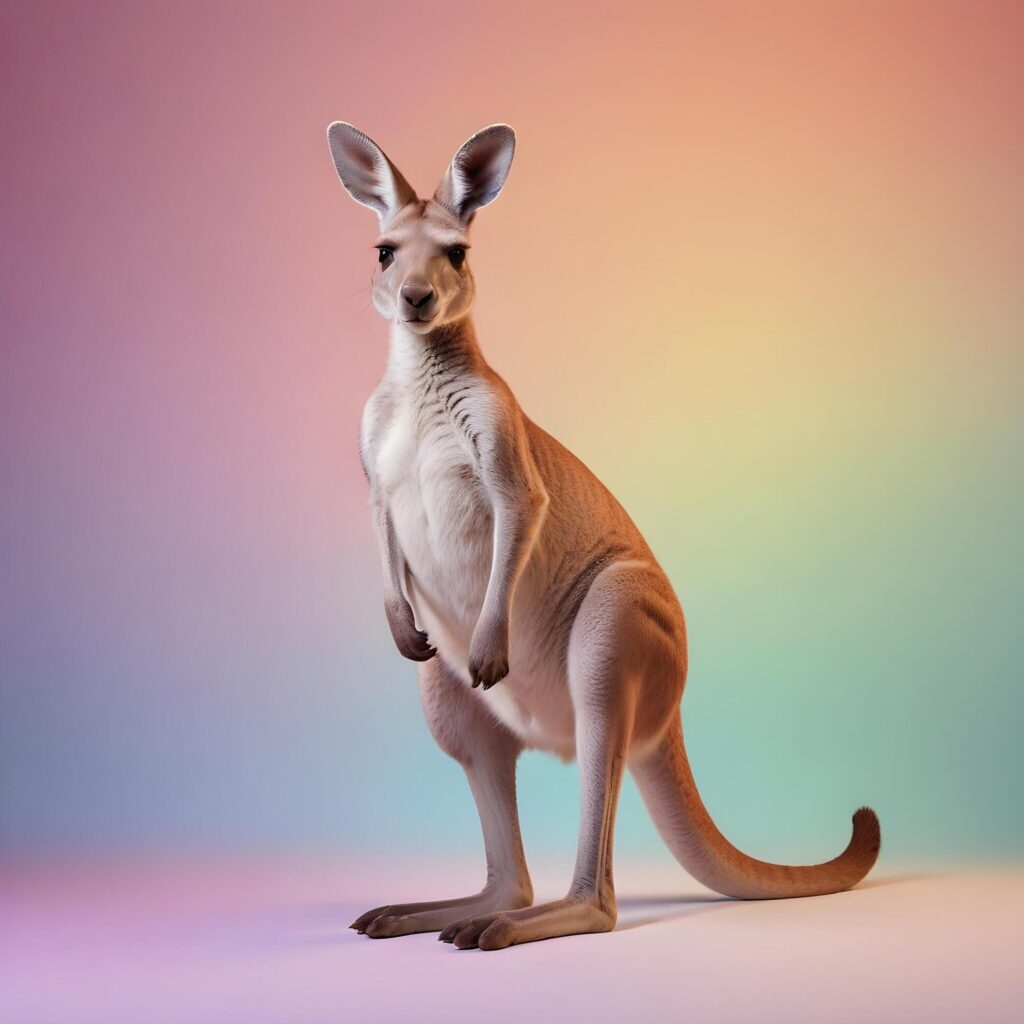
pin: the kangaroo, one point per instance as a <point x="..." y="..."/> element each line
<point x="506" y="561"/>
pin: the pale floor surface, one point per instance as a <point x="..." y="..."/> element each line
<point x="268" y="944"/>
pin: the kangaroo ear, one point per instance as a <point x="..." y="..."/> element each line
<point x="477" y="172"/>
<point x="367" y="174"/>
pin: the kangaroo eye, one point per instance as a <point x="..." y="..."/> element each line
<point x="385" y="256"/>
<point x="456" y="256"/>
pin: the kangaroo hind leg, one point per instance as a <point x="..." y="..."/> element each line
<point x="612" y="644"/>
<point x="487" y="752"/>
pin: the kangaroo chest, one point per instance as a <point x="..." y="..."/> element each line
<point x="428" y="473"/>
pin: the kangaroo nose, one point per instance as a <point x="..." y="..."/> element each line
<point x="417" y="295"/>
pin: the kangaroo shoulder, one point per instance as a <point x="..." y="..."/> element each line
<point x="378" y="413"/>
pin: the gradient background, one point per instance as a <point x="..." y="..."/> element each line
<point x="759" y="265"/>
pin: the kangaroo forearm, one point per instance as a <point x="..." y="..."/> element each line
<point x="515" y="533"/>
<point x="411" y="643"/>
<point x="391" y="561"/>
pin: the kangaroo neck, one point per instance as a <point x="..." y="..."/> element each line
<point x="415" y="359"/>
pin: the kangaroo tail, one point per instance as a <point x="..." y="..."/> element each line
<point x="666" y="784"/>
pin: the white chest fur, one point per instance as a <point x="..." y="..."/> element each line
<point x="429" y="480"/>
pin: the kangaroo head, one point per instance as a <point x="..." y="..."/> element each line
<point x="422" y="278"/>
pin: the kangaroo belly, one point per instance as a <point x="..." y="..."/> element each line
<point x="446" y="543"/>
<point x="443" y="524"/>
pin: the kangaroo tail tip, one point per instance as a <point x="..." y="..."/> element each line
<point x="867" y="836"/>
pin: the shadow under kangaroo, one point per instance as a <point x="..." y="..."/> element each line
<point x="538" y="613"/>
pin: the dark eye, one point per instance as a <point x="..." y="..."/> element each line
<point x="385" y="256"/>
<point x="456" y="256"/>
